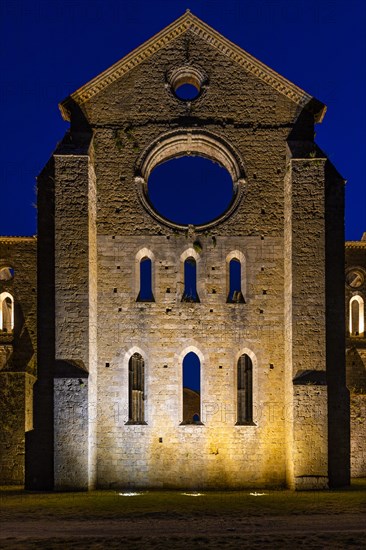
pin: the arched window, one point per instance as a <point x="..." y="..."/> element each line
<point x="245" y="390"/>
<point x="144" y="276"/>
<point x="235" y="295"/>
<point x="235" y="277"/>
<point x="190" y="281"/>
<point x="191" y="389"/>
<point x="146" y="293"/>
<point x="356" y="316"/>
<point x="6" y="312"/>
<point x="136" y="383"/>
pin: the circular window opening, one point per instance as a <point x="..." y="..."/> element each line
<point x="187" y="92"/>
<point x="6" y="273"/>
<point x="186" y="82"/>
<point x="190" y="190"/>
<point x="355" y="278"/>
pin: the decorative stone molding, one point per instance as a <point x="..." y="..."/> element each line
<point x="184" y="142"/>
<point x="185" y="23"/>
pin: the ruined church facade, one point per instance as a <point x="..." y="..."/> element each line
<point x="109" y="406"/>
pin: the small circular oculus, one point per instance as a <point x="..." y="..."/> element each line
<point x="355" y="278"/>
<point x="186" y="82"/>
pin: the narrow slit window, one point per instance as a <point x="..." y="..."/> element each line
<point x="6" y="312"/>
<point x="245" y="390"/>
<point x="136" y="382"/>
<point x="190" y="281"/>
<point x="191" y="389"/>
<point x="146" y="293"/>
<point x="235" y="295"/>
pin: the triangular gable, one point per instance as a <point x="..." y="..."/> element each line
<point x="186" y="22"/>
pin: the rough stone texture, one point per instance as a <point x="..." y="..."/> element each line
<point x="171" y="329"/>
<point x="71" y="433"/>
<point x="18" y="363"/>
<point x="310" y="447"/>
<point x="356" y="357"/>
<point x="338" y="395"/>
<point x="358" y="435"/>
<point x="94" y="228"/>
<point x="39" y="441"/>
<point x="219" y="453"/>
<point x="16" y="397"/>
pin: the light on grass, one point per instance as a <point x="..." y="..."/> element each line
<point x="258" y="494"/>
<point x="130" y="494"/>
<point x="193" y="494"/>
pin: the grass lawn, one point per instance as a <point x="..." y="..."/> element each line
<point x="172" y="519"/>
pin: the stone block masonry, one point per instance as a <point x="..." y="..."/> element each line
<point x="109" y="399"/>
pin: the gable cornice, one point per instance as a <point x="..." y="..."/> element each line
<point x="355" y="244"/>
<point x="186" y="22"/>
<point x="15" y="239"/>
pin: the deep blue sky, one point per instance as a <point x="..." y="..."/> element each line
<point x="49" y="48"/>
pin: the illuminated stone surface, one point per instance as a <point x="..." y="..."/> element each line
<point x="285" y="226"/>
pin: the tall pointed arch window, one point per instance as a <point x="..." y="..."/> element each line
<point x="144" y="278"/>
<point x="356" y="316"/>
<point x="235" y="277"/>
<point x="244" y="390"/>
<point x="191" y="389"/>
<point x="136" y="384"/>
<point x="146" y="293"/>
<point x="190" y="293"/>
<point x="6" y="312"/>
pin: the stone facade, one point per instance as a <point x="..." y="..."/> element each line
<point x="18" y="349"/>
<point x="96" y="225"/>
<point x="356" y="350"/>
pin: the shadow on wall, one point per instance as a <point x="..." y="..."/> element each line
<point x="356" y="371"/>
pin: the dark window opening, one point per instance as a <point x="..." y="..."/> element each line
<point x="191" y="389"/>
<point x="146" y="293"/>
<point x="136" y="382"/>
<point x="245" y="390"/>
<point x="235" y="295"/>
<point x="190" y="281"/>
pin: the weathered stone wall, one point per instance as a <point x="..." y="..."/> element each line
<point x="75" y="304"/>
<point x="71" y="428"/>
<point x="310" y="448"/>
<point x="95" y="224"/>
<point x="16" y="395"/>
<point x="19" y="253"/>
<point x="102" y="228"/>
<point x="356" y="358"/>
<point x="358" y="435"/>
<point x="218" y="453"/>
<point x="18" y="363"/>
<point x="338" y="394"/>
<point x="39" y="441"/>
<point x="305" y="314"/>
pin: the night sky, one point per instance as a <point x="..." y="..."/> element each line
<point x="49" y="48"/>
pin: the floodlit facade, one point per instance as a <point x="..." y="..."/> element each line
<point x="110" y="406"/>
<point x="356" y="350"/>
